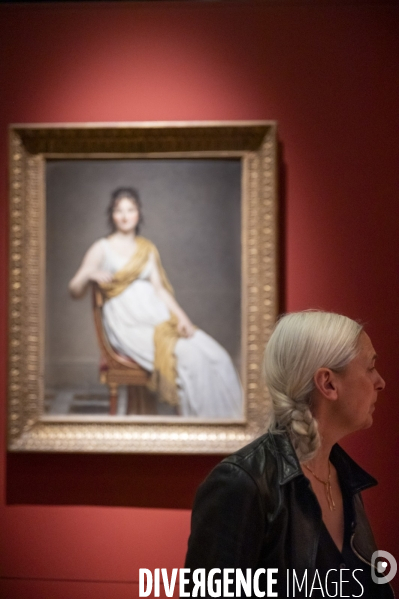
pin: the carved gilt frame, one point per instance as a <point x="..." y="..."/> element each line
<point x="254" y="142"/>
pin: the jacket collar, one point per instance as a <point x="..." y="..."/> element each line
<point x="352" y="476"/>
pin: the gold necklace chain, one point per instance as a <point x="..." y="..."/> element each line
<point x="327" y="486"/>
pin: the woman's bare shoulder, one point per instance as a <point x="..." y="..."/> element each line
<point x="99" y="243"/>
<point x="96" y="250"/>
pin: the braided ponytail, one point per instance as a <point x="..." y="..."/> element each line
<point x="301" y="343"/>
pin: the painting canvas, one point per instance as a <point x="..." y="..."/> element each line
<point x="192" y="213"/>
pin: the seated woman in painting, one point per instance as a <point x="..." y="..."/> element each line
<point x="143" y="320"/>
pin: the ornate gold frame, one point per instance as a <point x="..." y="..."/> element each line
<point x="30" y="145"/>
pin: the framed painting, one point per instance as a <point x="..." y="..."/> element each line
<point x="150" y="340"/>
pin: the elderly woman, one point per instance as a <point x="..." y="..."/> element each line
<point x="291" y="499"/>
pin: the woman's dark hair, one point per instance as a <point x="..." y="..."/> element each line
<point x="119" y="194"/>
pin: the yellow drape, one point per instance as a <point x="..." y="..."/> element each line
<point x="163" y="379"/>
<point x="131" y="271"/>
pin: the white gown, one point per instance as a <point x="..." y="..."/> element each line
<point x="208" y="384"/>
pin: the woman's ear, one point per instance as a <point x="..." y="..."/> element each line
<point x="325" y="382"/>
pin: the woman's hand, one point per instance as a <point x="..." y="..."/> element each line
<point x="101" y="276"/>
<point x="185" y="327"/>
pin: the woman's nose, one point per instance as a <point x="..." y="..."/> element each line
<point x="380" y="383"/>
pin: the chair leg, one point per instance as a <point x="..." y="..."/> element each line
<point x="113" y="398"/>
<point x="140" y="401"/>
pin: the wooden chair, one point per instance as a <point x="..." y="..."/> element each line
<point x="115" y="369"/>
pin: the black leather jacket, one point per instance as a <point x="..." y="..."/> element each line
<point x="256" y="509"/>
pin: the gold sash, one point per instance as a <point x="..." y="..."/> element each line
<point x="163" y="379"/>
<point x="133" y="268"/>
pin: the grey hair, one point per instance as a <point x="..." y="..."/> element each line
<point x="301" y="343"/>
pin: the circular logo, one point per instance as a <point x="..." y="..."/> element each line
<point x="380" y="560"/>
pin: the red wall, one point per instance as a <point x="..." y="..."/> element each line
<point x="81" y="526"/>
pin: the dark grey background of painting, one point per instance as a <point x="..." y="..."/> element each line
<point x="192" y="213"/>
